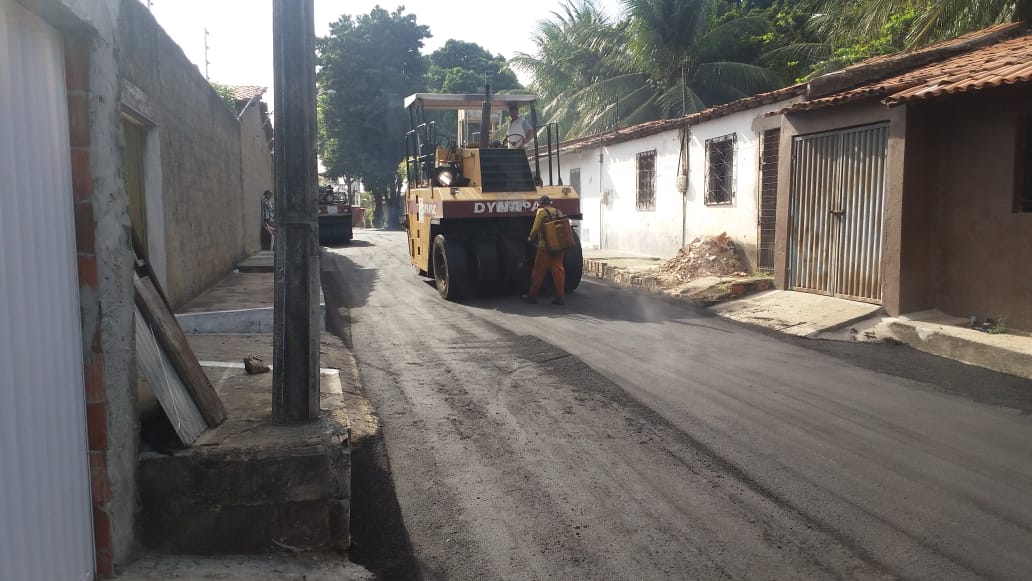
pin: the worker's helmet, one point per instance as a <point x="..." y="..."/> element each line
<point x="545" y="200"/>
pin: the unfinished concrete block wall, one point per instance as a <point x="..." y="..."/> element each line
<point x="255" y="171"/>
<point x="206" y="207"/>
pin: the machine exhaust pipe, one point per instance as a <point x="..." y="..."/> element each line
<point x="485" y="118"/>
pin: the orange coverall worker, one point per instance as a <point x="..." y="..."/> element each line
<point x="545" y="260"/>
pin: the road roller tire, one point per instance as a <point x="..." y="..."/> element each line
<point x="488" y="271"/>
<point x="573" y="264"/>
<point x="451" y="272"/>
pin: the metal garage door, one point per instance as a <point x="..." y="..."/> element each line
<point x="45" y="515"/>
<point x="837" y="213"/>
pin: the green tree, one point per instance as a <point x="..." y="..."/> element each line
<point x="931" y="20"/>
<point x="668" y="58"/>
<point x="576" y="49"/>
<point x="225" y="93"/>
<point x="463" y="67"/>
<point x="367" y="65"/>
<point x="855" y="30"/>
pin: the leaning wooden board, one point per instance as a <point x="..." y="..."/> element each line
<point x="173" y="341"/>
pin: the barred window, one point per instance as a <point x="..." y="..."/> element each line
<point x="720" y="163"/>
<point x="575" y="180"/>
<point x="1023" y="166"/>
<point x="646" y="165"/>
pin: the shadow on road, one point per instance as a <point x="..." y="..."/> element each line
<point x="335" y="269"/>
<point x="931" y="371"/>
<point x="597" y="300"/>
<point x="352" y="243"/>
<point x="380" y="541"/>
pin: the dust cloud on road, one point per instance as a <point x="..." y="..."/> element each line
<point x="629" y="437"/>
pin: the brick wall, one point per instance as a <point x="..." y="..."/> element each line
<point x="77" y="74"/>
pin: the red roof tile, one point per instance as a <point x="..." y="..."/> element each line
<point x="247" y="92"/>
<point x="654" y="127"/>
<point x="956" y="66"/>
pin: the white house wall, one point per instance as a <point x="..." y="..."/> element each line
<point x="627" y="229"/>
<point x="619" y="226"/>
<point x="740" y="218"/>
<point x="591" y="187"/>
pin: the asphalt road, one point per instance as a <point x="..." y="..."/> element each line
<point x="630" y="437"/>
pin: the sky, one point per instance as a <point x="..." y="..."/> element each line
<point x="240" y="31"/>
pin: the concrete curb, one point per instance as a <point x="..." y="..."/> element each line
<point x="256" y="321"/>
<point x="928" y="338"/>
<point x="847" y="323"/>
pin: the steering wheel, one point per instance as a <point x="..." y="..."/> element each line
<point x="515" y="140"/>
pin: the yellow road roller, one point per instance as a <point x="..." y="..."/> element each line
<point x="471" y="198"/>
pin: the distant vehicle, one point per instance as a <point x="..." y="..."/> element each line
<point x="336" y="221"/>
<point x="470" y="204"/>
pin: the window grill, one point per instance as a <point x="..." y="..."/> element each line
<point x="720" y="161"/>
<point x="575" y="180"/>
<point x="646" y="191"/>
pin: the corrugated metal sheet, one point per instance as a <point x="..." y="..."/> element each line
<point x="863" y="213"/>
<point x="814" y="167"/>
<point x="837" y="212"/>
<point x="45" y="514"/>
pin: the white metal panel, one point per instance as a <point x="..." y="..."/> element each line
<point x="168" y="387"/>
<point x="45" y="513"/>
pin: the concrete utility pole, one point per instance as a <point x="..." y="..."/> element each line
<point x="295" y="380"/>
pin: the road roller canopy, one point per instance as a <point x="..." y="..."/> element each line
<point x="456" y="101"/>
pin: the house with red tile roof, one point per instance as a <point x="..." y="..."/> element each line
<point x="906" y="180"/>
<point x="653" y="188"/>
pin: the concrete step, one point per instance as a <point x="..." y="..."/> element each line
<point x="249" y="485"/>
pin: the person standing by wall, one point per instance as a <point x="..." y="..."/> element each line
<point x="268" y="224"/>
<point x="545" y="260"/>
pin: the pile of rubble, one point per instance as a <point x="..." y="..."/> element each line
<point x="712" y="256"/>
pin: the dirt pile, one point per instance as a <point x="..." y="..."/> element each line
<point x="711" y="256"/>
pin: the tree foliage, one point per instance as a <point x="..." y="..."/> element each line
<point x="464" y="67"/>
<point x="225" y="93"/>
<point x="593" y="72"/>
<point x="667" y="58"/>
<point x="368" y="64"/>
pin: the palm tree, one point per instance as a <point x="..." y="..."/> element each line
<point x="933" y="20"/>
<point x="677" y="45"/>
<point x="667" y="59"/>
<point x="575" y="50"/>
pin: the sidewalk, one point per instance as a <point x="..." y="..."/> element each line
<point x="823" y="317"/>
<point x="234" y="495"/>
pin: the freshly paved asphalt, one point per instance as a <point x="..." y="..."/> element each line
<point x="631" y="437"/>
